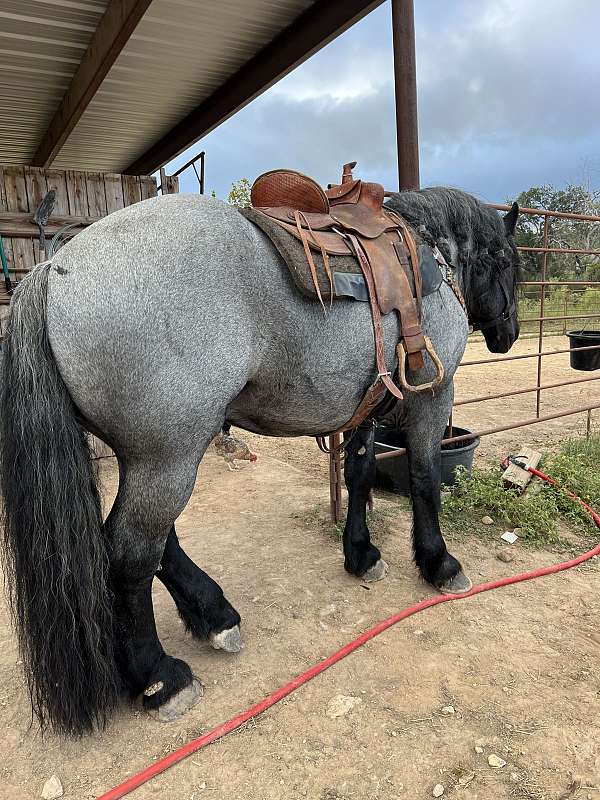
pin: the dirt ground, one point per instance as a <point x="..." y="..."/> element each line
<point x="519" y="666"/>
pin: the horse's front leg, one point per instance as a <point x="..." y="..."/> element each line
<point x="361" y="558"/>
<point x="425" y="425"/>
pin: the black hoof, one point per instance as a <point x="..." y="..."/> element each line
<point x="358" y="561"/>
<point x="438" y="570"/>
<point x="204" y="621"/>
<point x="375" y="573"/>
<point x="229" y="640"/>
<point x="459" y="584"/>
<point x="179" y="703"/>
<point x="166" y="680"/>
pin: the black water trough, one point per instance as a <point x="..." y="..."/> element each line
<point x="392" y="473"/>
<point x="585" y="360"/>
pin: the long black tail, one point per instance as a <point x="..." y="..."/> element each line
<point x="55" y="551"/>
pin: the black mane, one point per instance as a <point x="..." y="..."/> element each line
<point x="469" y="233"/>
<point x="446" y="216"/>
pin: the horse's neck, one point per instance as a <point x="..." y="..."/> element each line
<point x="460" y="262"/>
<point x="441" y="227"/>
<point x="456" y="257"/>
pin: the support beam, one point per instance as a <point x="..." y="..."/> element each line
<point x="405" y="76"/>
<point x="112" y="34"/>
<point x="315" y="28"/>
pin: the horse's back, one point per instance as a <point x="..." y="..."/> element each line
<point x="162" y="237"/>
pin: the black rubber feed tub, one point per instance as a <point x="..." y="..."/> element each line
<point x="585" y="360"/>
<point x="392" y="473"/>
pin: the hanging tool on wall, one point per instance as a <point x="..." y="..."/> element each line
<point x="7" y="281"/>
<point x="41" y="217"/>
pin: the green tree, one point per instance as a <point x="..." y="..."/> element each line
<point x="239" y="195"/>
<point x="561" y="233"/>
<point x="594" y="271"/>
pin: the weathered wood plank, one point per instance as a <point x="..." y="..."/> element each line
<point x="14" y="185"/>
<point x="169" y="183"/>
<point x="21" y="225"/>
<point x="77" y="193"/>
<point x="515" y="477"/>
<point x="57" y="180"/>
<point x="172" y="184"/>
<point x="24" y="255"/>
<point x="3" y="202"/>
<point x="148" y="186"/>
<point x="132" y="191"/>
<point x="113" y="186"/>
<point x="36" y="185"/>
<point x="96" y="194"/>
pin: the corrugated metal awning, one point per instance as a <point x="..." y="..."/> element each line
<point x="113" y="85"/>
<point x="41" y="45"/>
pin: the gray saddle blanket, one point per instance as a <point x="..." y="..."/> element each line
<point x="348" y="280"/>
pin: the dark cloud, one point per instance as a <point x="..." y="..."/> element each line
<point x="509" y="96"/>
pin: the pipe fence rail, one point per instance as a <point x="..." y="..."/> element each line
<point x="540" y="323"/>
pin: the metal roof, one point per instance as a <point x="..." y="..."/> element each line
<point x="41" y="45"/>
<point x="176" y="55"/>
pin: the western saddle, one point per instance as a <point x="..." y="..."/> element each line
<point x="350" y="219"/>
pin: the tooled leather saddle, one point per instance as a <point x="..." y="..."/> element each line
<point x="349" y="219"/>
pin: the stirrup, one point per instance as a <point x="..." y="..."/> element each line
<point x="422" y="387"/>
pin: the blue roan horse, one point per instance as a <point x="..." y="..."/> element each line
<point x="151" y="329"/>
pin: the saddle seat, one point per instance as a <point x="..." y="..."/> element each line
<point x="349" y="219"/>
<point x="354" y="205"/>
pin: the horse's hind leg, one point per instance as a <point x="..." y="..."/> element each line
<point x="361" y="558"/>
<point x="151" y="496"/>
<point x="199" y="599"/>
<point x="426" y="422"/>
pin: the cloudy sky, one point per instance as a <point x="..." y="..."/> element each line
<point x="508" y="94"/>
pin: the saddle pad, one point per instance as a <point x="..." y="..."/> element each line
<point x="348" y="279"/>
<point x="292" y="252"/>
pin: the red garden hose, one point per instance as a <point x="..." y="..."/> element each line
<point x="221" y="730"/>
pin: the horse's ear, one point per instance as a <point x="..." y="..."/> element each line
<point x="510" y="219"/>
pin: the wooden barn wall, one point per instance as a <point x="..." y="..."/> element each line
<point x="81" y="197"/>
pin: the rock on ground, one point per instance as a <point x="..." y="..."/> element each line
<point x="52" y="788"/>
<point x="341" y="704"/>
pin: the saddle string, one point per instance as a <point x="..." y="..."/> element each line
<point x="324" y="256"/>
<point x="308" y="254"/>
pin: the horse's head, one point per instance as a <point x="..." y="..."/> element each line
<point x="479" y="246"/>
<point x="490" y="284"/>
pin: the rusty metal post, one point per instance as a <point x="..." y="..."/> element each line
<point x="405" y="80"/>
<point x="407" y="132"/>
<point x="335" y="478"/>
<point x="541" y="333"/>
